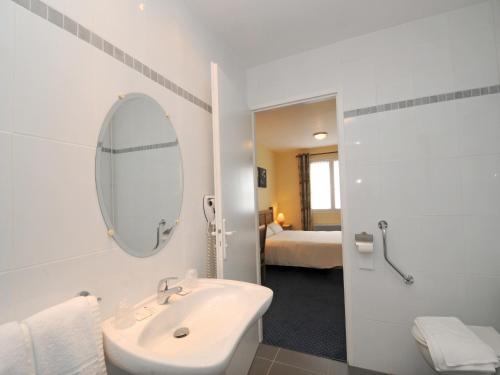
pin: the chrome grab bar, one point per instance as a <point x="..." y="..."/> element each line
<point x="382" y="224"/>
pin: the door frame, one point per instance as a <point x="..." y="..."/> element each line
<point x="347" y="267"/>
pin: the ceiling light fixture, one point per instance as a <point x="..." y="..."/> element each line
<point x="320" y="135"/>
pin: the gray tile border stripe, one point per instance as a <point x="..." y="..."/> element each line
<point x="55" y="17"/>
<point x="70" y="25"/>
<point x="39" y="8"/>
<point x="138" y="148"/>
<point x="462" y="94"/>
<point x="23" y="3"/>
<point x="64" y="22"/>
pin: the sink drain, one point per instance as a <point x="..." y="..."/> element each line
<point x="181" y="332"/>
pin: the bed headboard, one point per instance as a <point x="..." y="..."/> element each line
<point x="266" y="217"/>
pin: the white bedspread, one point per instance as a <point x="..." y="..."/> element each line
<point x="304" y="249"/>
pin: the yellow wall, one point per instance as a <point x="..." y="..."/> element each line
<point x="287" y="186"/>
<point x="288" y="189"/>
<point x="265" y="158"/>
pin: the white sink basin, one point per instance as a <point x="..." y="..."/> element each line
<point x="217" y="314"/>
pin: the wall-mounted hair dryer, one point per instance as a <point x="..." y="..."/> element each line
<point x="209" y="208"/>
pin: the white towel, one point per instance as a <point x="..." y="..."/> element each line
<point x="67" y="338"/>
<point x="16" y="354"/>
<point x="453" y="346"/>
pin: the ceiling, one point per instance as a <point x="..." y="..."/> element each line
<point x="259" y="31"/>
<point x="293" y="126"/>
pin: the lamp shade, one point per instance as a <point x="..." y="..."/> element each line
<point x="280" y="218"/>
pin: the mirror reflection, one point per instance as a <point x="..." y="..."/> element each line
<point x="139" y="175"/>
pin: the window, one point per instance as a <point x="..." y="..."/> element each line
<point x="325" y="186"/>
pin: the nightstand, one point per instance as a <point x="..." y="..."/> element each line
<point x="287" y="226"/>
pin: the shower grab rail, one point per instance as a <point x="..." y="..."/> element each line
<point x="166" y="231"/>
<point x="382" y="224"/>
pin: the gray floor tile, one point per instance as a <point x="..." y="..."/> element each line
<point x="305" y="361"/>
<point x="338" y="368"/>
<point x="266" y="351"/>
<point x="282" y="369"/>
<point x="362" y="371"/>
<point x="260" y="366"/>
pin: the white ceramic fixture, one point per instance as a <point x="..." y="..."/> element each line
<point x="481" y="332"/>
<point x="217" y="313"/>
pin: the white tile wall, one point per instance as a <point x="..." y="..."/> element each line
<point x="63" y="175"/>
<point x="6" y="195"/>
<point x="432" y="171"/>
<point x="6" y="63"/>
<point x="56" y="91"/>
<point x="39" y="86"/>
<point x="478" y="128"/>
<point x="472" y="39"/>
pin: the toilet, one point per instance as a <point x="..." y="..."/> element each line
<point x="484" y="333"/>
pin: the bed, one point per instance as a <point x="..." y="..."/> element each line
<point x="312" y="249"/>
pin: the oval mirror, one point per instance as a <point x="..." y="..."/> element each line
<point x="139" y="175"/>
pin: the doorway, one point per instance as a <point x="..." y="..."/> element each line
<point x="300" y="208"/>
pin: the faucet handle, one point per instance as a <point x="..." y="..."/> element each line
<point x="163" y="283"/>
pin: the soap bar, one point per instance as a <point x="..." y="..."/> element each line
<point x="184" y="292"/>
<point x="143" y="313"/>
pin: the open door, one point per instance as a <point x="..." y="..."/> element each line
<point x="235" y="218"/>
<point x="236" y="231"/>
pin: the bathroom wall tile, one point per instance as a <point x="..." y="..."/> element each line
<point x="441" y="293"/>
<point x="55" y="17"/>
<point x="393" y="76"/>
<point x="378" y="291"/>
<point x="471" y="32"/>
<point x="437" y="130"/>
<point x="441" y="186"/>
<point x="363" y="188"/>
<point x="401" y="189"/>
<point x="483" y="298"/>
<point x="81" y="13"/>
<point x="6" y="191"/>
<point x="397" y="135"/>
<point x="443" y="244"/>
<point x="498" y="55"/>
<point x="72" y="119"/>
<point x="361" y="138"/>
<point x="358" y="81"/>
<point x="37" y="288"/>
<point x="432" y="71"/>
<point x="481" y="251"/>
<point x="38" y="7"/>
<point x="496" y="11"/>
<point x="481" y="183"/>
<point x="479" y="125"/>
<point x="62" y="209"/>
<point x="6" y="63"/>
<point x="372" y="338"/>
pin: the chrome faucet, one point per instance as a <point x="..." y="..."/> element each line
<point x="164" y="292"/>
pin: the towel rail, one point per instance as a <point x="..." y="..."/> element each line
<point x="382" y="224"/>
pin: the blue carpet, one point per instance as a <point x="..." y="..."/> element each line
<point x="307" y="312"/>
